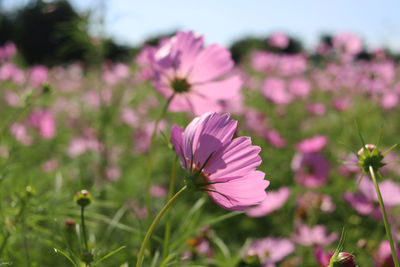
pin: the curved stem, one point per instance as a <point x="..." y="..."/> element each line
<point x="150" y="159"/>
<point x="153" y="225"/>
<point x="168" y="224"/>
<point x="385" y="219"/>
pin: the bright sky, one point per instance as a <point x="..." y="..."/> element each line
<point x="223" y="21"/>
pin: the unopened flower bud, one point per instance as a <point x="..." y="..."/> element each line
<point x="368" y="156"/>
<point x="343" y="259"/>
<point x="83" y="198"/>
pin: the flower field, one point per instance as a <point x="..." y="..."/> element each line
<point x="184" y="157"/>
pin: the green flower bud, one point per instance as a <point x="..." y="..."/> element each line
<point x="83" y="198"/>
<point x="370" y="155"/>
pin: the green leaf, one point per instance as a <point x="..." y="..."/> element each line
<point x="109" y="254"/>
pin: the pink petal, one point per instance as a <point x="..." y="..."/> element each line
<point x="234" y="160"/>
<point x="211" y="63"/>
<point x="206" y="134"/>
<point x="239" y="194"/>
<point x="220" y="90"/>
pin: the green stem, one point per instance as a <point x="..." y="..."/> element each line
<point x="84" y="228"/>
<point x="168" y="224"/>
<point x="16" y="221"/>
<point x="150" y="159"/>
<point x="153" y="225"/>
<point x="385" y="219"/>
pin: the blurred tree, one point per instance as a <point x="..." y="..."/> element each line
<point x="243" y="46"/>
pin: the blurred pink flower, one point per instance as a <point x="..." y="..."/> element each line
<point x="341" y="104"/>
<point x="311" y="169"/>
<point x="44" y="121"/>
<point x="8" y="51"/>
<point x="143" y="59"/>
<point x="322" y="257"/>
<point x="129" y="117"/>
<point x="274" y="89"/>
<point x="81" y="145"/>
<point x="142" y="135"/>
<point x="365" y="201"/>
<point x="299" y="87"/>
<point x="311" y="201"/>
<point x="274" y="138"/>
<point x="195" y="75"/>
<point x="279" y="40"/>
<point x="113" y="173"/>
<point x="274" y="201"/>
<point x="50" y="165"/>
<point x="38" y="75"/>
<point x="114" y="73"/>
<point x="389" y="100"/>
<point x="20" y="133"/>
<point x="270" y="250"/>
<point x="317" y="235"/>
<point x="158" y="191"/>
<point x="264" y="61"/>
<point x="347" y="43"/>
<point x="383" y="257"/>
<point x="12" y="99"/>
<point x="227" y="167"/>
<point x="318" y="109"/>
<point x="313" y="144"/>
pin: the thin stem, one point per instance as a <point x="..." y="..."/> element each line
<point x="153" y="225"/>
<point x="83" y="227"/>
<point x="150" y="159"/>
<point x="168" y="224"/>
<point x="385" y="219"/>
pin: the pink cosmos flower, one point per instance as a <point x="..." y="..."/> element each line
<point x="270" y="250"/>
<point x="274" y="138"/>
<point x="195" y="76"/>
<point x="224" y="168"/>
<point x="279" y="40"/>
<point x="317" y="235"/>
<point x="274" y="201"/>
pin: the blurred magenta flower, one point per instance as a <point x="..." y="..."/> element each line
<point x="195" y="76"/>
<point x="383" y="257"/>
<point x="224" y="168"/>
<point x="274" y="201"/>
<point x="274" y="138"/>
<point x="115" y="73"/>
<point x="8" y="51"/>
<point x="269" y="251"/>
<point x="317" y="235"/>
<point x="279" y="40"/>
